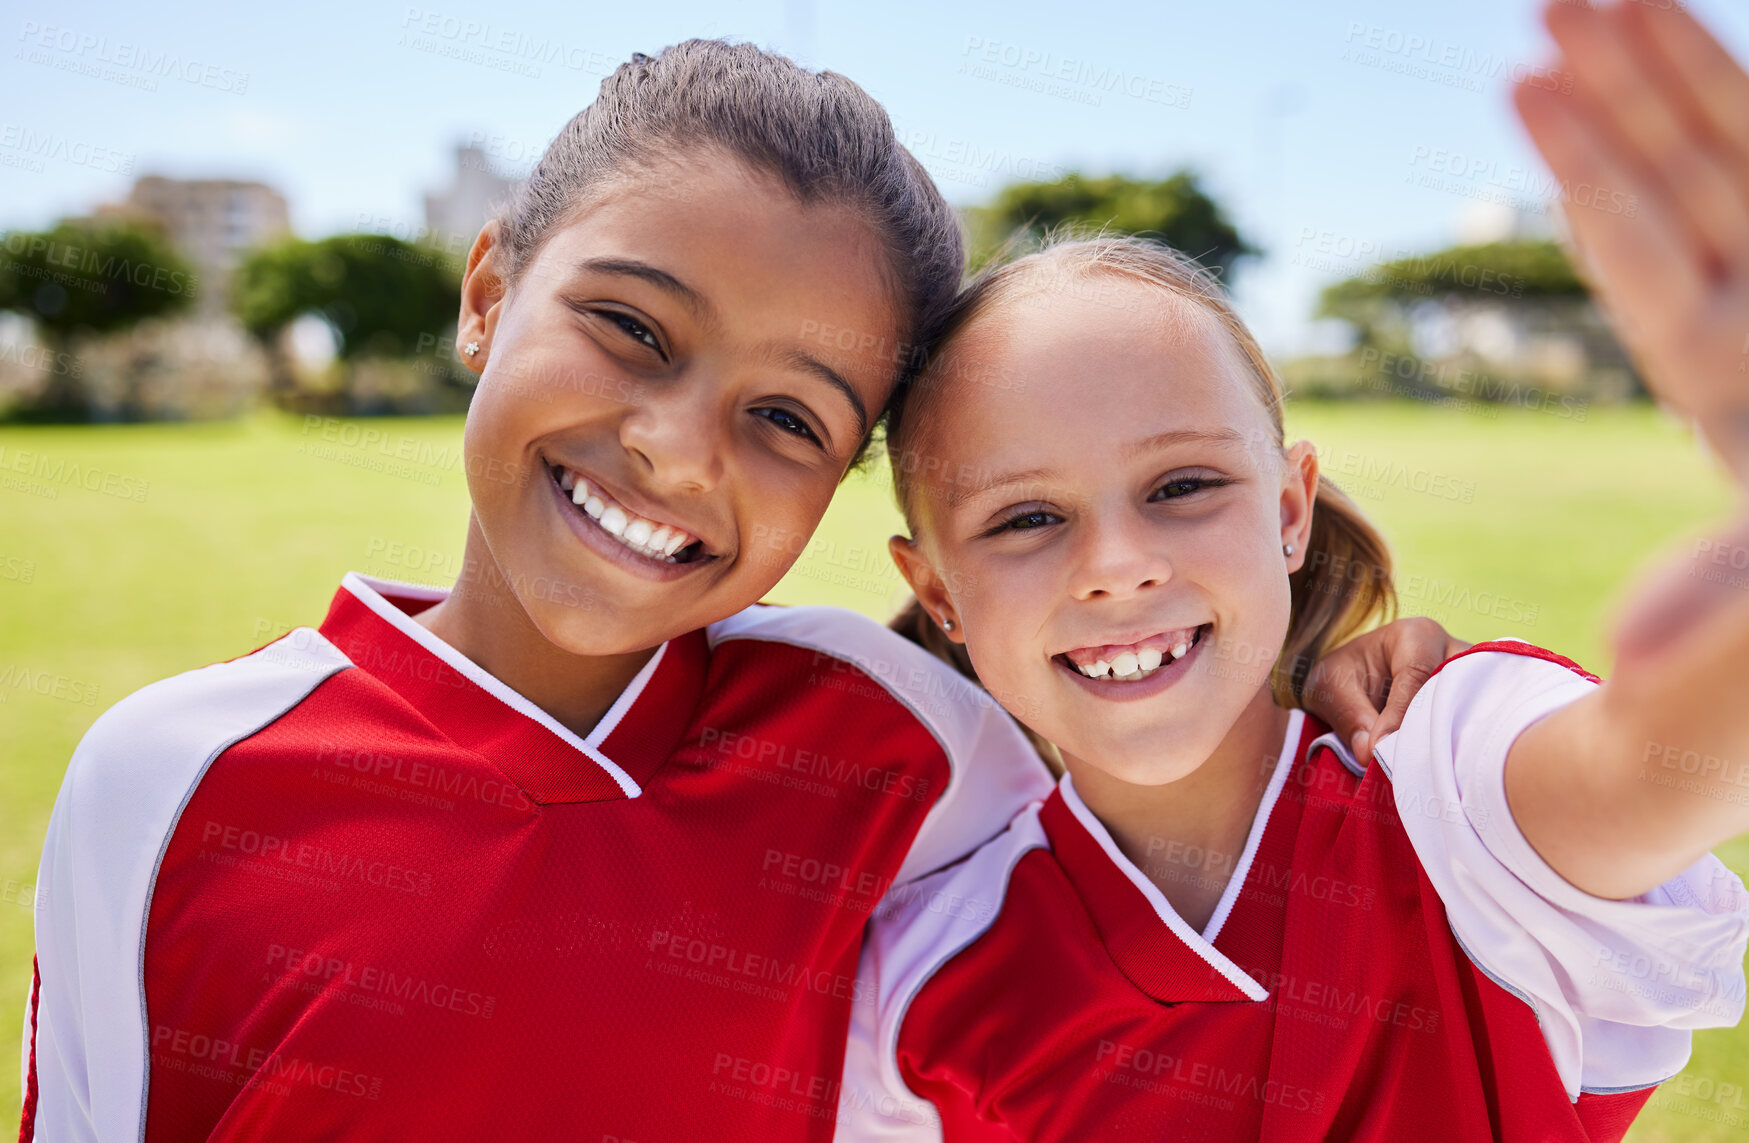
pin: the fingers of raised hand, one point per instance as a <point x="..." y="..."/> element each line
<point x="1639" y="99"/>
<point x="1713" y="87"/>
<point x="1630" y="238"/>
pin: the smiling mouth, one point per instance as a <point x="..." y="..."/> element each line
<point x="651" y="539"/>
<point x="1133" y="662"/>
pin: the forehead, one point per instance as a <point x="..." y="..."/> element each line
<point x="737" y="237"/>
<point x="1070" y="368"/>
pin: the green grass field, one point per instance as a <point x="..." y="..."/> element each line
<point x="131" y="553"/>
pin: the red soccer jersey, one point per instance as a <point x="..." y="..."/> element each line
<point x="1046" y="990"/>
<point x="353" y="886"/>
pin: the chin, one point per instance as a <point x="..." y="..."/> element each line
<point x="1143" y="763"/>
<point x="588" y="631"/>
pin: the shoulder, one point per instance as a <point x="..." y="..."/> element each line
<point x="845" y="636"/>
<point x="850" y="655"/>
<point x="1479" y="700"/>
<point x="1517" y="651"/>
<point x="125" y="789"/>
<point x="851" y="664"/>
<point x="1503" y="673"/>
<point x="171" y="729"/>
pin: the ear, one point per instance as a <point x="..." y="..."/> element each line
<point x="482" y="294"/>
<point x="1299" y="494"/>
<point x="926" y="585"/>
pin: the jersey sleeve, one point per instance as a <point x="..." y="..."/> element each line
<point x="1616" y="985"/>
<point x="874" y="1106"/>
<point x="921" y="927"/>
<point x="86" y="1045"/>
<point x="996" y="774"/>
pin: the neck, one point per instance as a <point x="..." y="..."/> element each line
<point x="1187" y="836"/>
<point x="483" y="619"/>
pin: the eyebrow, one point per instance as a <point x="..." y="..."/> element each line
<point x="1147" y="444"/>
<point x="1184" y="436"/>
<point x="796" y="359"/>
<point x="661" y="279"/>
<point x="960" y="495"/>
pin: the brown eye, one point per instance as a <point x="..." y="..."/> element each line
<point x="1181" y="486"/>
<point x="1025" y="520"/>
<point x="635" y="329"/>
<point x="789" y="423"/>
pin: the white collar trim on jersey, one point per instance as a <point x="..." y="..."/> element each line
<point x="1284" y="764"/>
<point x="372" y="591"/>
<point x="1201" y="943"/>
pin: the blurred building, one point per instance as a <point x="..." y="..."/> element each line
<point x="1485" y="221"/>
<point x="454" y="216"/>
<point x="213" y="222"/>
<point x="1563" y="342"/>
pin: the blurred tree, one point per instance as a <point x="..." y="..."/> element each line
<point x="1175" y="210"/>
<point x="1379" y="303"/>
<point x="87" y="277"/>
<point x="378" y="294"/>
<point x="1538" y="323"/>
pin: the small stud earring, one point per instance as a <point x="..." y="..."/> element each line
<point x="471" y="348"/>
<point x="947" y="625"/>
<point x="1287" y="549"/>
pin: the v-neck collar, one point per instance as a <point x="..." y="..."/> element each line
<point x="1153" y="946"/>
<point x="371" y="621"/>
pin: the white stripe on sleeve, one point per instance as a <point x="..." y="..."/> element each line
<point x="125" y="788"/>
<point x="918" y="928"/>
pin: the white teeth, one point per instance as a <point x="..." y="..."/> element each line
<point x="1128" y="666"/>
<point x="645" y="537"/>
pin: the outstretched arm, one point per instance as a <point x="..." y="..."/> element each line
<point x="1625" y="788"/>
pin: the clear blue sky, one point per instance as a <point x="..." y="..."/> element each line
<point x="1316" y="123"/>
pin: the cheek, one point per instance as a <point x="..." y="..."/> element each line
<point x="1002" y="603"/>
<point x="503" y="403"/>
<point x="779" y="510"/>
<point x="493" y="439"/>
<point x="1257" y="599"/>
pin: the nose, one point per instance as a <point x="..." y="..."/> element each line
<point x="1118" y="558"/>
<point x="678" y="433"/>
